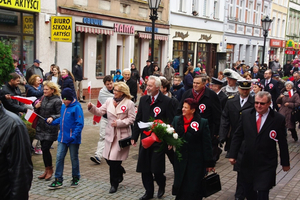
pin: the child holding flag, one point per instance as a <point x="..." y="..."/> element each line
<point x="71" y="125"/>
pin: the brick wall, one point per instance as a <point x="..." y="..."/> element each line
<point x="94" y="95"/>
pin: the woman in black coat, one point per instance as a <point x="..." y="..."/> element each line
<point x="48" y="107"/>
<point x="197" y="158"/>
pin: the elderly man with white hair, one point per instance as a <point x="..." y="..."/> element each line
<point x="151" y="162"/>
<point x="131" y="83"/>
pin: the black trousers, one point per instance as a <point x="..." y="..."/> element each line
<point x="115" y="172"/>
<point x="46" y="145"/>
<point x="148" y="183"/>
<point x="239" y="192"/>
<point x="255" y="195"/>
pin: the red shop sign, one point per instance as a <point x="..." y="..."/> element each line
<point x="298" y="53"/>
<point x="275" y="43"/>
<point x="289" y="52"/>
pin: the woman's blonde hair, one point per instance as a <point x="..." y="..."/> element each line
<point x="52" y="86"/>
<point x="122" y="87"/>
<point x="32" y="79"/>
<point x="190" y="68"/>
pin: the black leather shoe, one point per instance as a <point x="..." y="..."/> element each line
<point x="161" y="192"/>
<point x="113" y="189"/>
<point x="81" y="101"/>
<point x="146" y="197"/>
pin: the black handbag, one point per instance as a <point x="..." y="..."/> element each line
<point x="211" y="184"/>
<point x="125" y="142"/>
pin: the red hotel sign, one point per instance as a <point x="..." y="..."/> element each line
<point x="124" y="28"/>
<point x="277" y="43"/>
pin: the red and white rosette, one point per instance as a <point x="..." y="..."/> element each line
<point x="123" y="108"/>
<point x="202" y="107"/>
<point x="271" y="86"/>
<point x="299" y="85"/>
<point x="195" y="125"/>
<point x="156" y="111"/>
<point x="273" y="135"/>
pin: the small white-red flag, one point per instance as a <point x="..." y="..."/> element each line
<point x="90" y="87"/>
<point x="26" y="100"/>
<point x="291" y="93"/>
<point x="30" y="115"/>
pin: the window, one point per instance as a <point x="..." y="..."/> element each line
<point x="204" y="7"/>
<point x="202" y="52"/>
<point x="249" y="13"/>
<point x="101" y="54"/>
<point x="241" y="11"/>
<point x="77" y="48"/>
<point x="231" y="10"/>
<point x="157" y="52"/>
<point x="273" y="25"/>
<point x="195" y="6"/>
<point x="216" y="9"/>
<point x="283" y="28"/>
<point x="182" y="6"/>
<point x="278" y="28"/>
<point x="257" y="14"/>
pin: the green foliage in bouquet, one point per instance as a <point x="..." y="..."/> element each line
<point x="6" y="63"/>
<point x="31" y="131"/>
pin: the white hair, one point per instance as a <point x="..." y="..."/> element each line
<point x="126" y="70"/>
<point x="156" y="79"/>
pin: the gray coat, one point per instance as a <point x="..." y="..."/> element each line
<point x="50" y="108"/>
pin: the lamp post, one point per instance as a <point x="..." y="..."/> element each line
<point x="153" y="5"/>
<point x="266" y="23"/>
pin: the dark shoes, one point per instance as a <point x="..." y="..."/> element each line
<point x="113" y="189"/>
<point x="95" y="159"/>
<point x="146" y="197"/>
<point x="161" y="192"/>
<point x="81" y="101"/>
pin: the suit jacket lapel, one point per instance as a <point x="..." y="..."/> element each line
<point x="237" y="102"/>
<point x="248" y="104"/>
<point x="268" y="121"/>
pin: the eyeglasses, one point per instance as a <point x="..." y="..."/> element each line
<point x="261" y="103"/>
<point x="116" y="90"/>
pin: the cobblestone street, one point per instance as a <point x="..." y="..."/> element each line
<point x="94" y="182"/>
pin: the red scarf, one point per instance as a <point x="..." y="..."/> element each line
<point x="186" y="123"/>
<point x="199" y="95"/>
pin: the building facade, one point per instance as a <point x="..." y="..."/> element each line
<point x="196" y="32"/>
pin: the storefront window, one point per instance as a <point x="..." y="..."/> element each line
<point x="77" y="47"/>
<point x="157" y="52"/>
<point x="178" y="59"/>
<point x="190" y="48"/>
<point x="259" y="54"/>
<point x="202" y="54"/>
<point x="137" y="50"/>
<point x="100" y="60"/>
<point x="229" y="55"/>
<point x="17" y="29"/>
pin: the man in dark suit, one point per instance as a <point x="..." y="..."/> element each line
<point x="260" y="129"/>
<point x="296" y="81"/>
<point x="287" y="68"/>
<point x="131" y="83"/>
<point x="150" y="160"/>
<point x="148" y="70"/>
<point x="209" y="108"/>
<point x="216" y="87"/>
<point x="256" y="74"/>
<point x="271" y="86"/>
<point x="229" y="121"/>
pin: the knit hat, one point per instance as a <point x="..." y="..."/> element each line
<point x="67" y="94"/>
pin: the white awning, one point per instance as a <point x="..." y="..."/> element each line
<point x="156" y="36"/>
<point x="94" y="30"/>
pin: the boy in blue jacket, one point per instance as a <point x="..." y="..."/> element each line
<point x="71" y="125"/>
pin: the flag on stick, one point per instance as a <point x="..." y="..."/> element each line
<point x="89" y="87"/>
<point x="26" y="100"/>
<point x="30" y="115"/>
<point x="291" y="93"/>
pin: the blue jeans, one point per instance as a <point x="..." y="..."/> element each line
<point x="62" y="150"/>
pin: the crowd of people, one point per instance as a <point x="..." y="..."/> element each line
<point x="246" y="109"/>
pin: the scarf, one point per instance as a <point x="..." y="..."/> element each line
<point x="199" y="95"/>
<point x="177" y="87"/>
<point x="65" y="76"/>
<point x="186" y="123"/>
<point x="118" y="100"/>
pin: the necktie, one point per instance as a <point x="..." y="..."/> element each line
<point x="267" y="81"/>
<point x="258" y="122"/>
<point x="152" y="102"/>
<point x="242" y="102"/>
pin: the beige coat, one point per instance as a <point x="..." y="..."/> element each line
<point x="124" y="114"/>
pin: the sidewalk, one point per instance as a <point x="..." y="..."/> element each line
<point x="94" y="182"/>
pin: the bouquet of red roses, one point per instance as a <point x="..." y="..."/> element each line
<point x="164" y="133"/>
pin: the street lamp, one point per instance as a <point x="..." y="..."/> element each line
<point x="266" y="23"/>
<point x="153" y="5"/>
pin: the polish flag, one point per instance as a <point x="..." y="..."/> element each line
<point x="89" y="87"/>
<point x="30" y="115"/>
<point x="291" y="93"/>
<point x="26" y="100"/>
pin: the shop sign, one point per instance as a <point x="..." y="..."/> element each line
<point x="296" y="45"/>
<point x="92" y="21"/>
<point x="149" y="29"/>
<point x="290" y="44"/>
<point x="28" y="5"/>
<point x="28" y="24"/>
<point x="289" y="52"/>
<point x="298" y="53"/>
<point x="181" y="35"/>
<point x="205" y="37"/>
<point x="275" y="43"/>
<point x="9" y="19"/>
<point x="61" y="29"/>
<point x="124" y="28"/>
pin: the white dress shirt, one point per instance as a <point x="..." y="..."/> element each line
<point x="263" y="118"/>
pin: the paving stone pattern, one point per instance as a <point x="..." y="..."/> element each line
<point x="94" y="182"/>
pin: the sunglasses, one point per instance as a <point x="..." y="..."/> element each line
<point x="261" y="103"/>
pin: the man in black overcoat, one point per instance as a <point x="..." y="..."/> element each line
<point x="271" y="86"/>
<point x="229" y="121"/>
<point x="150" y="160"/>
<point x="256" y="74"/>
<point x="216" y="87"/>
<point x="209" y="108"/>
<point x="261" y="129"/>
